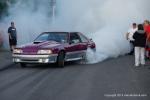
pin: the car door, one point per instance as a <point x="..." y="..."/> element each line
<point x="73" y="49"/>
<point x="84" y="42"/>
<point x="83" y="45"/>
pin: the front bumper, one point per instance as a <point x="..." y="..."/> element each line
<point x="34" y="58"/>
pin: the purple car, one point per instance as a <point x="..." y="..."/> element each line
<point x="54" y="47"/>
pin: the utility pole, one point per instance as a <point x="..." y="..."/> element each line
<point x="53" y="7"/>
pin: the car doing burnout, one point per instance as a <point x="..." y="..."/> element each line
<point x="54" y="47"/>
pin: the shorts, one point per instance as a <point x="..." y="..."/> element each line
<point x="12" y="42"/>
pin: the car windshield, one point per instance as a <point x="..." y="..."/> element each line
<point x="52" y="36"/>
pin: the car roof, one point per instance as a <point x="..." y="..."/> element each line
<point x="61" y="32"/>
<point x="54" y="32"/>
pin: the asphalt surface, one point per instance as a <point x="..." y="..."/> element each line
<point x="113" y="79"/>
<point x="5" y="59"/>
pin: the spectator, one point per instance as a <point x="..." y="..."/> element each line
<point x="129" y="37"/>
<point x="140" y="42"/>
<point x="12" y="32"/>
<point x="147" y="30"/>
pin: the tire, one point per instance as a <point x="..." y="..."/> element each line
<point x="84" y="59"/>
<point x="94" y="50"/>
<point x="90" y="54"/>
<point x="61" y="59"/>
<point x="23" y="65"/>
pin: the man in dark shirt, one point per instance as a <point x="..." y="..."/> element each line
<point x="12" y="32"/>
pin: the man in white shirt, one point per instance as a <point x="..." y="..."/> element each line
<point x="129" y="37"/>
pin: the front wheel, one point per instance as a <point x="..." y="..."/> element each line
<point x="61" y="59"/>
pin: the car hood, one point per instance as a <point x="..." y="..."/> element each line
<point x="33" y="47"/>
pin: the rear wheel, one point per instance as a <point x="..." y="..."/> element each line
<point x="90" y="55"/>
<point x="61" y="59"/>
<point x="23" y="65"/>
<point x="84" y="58"/>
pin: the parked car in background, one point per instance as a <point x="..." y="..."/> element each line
<point x="54" y="47"/>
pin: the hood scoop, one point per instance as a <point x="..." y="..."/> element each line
<point x="37" y="42"/>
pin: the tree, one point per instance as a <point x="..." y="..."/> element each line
<point x="3" y="8"/>
<point x="4" y="4"/>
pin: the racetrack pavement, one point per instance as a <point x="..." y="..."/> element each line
<point x="113" y="79"/>
<point x="5" y="59"/>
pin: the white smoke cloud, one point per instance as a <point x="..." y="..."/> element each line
<point x="106" y="21"/>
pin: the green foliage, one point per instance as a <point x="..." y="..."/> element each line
<point x="4" y="6"/>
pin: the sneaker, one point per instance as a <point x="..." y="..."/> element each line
<point x="136" y="65"/>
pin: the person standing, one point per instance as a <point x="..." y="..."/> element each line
<point x="147" y="30"/>
<point x="129" y="37"/>
<point x="12" y="32"/>
<point x="140" y="43"/>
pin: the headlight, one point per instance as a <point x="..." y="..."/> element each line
<point x="17" y="51"/>
<point x="44" y="52"/>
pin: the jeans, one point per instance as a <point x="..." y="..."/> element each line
<point x="139" y="56"/>
<point x="132" y="47"/>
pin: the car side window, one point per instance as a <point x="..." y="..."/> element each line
<point x="74" y="38"/>
<point x="83" y="38"/>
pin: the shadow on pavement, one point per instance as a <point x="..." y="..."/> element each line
<point x="42" y="66"/>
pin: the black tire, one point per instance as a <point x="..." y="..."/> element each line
<point x="94" y="50"/>
<point x="23" y="65"/>
<point x="85" y="56"/>
<point x="61" y="59"/>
